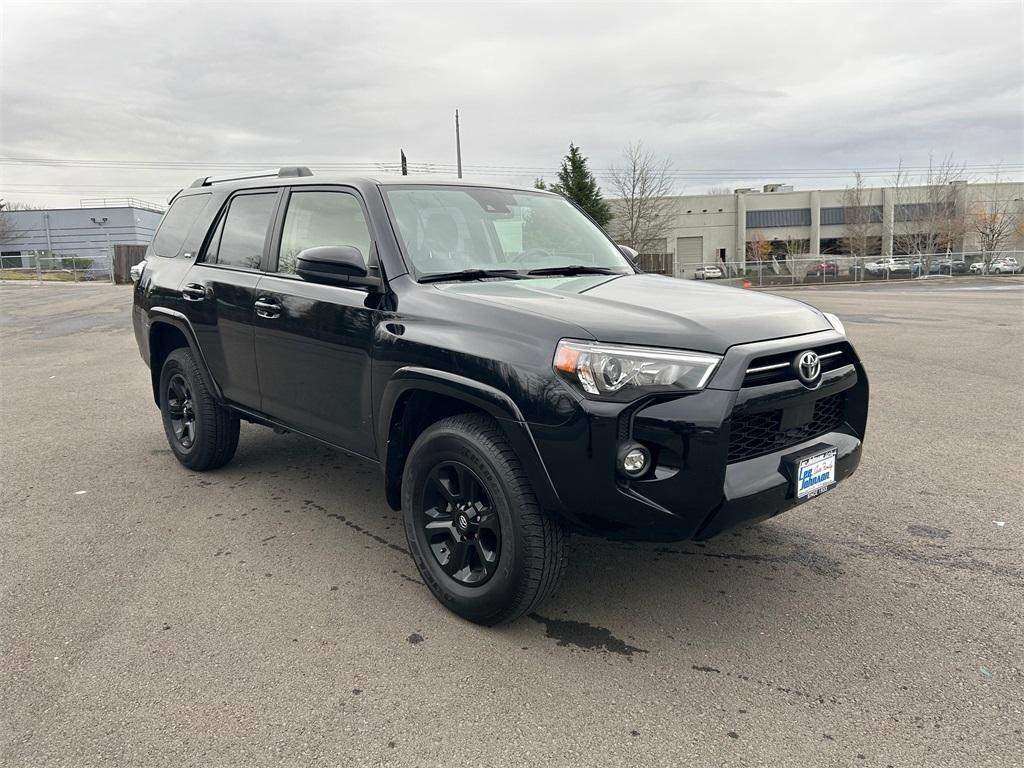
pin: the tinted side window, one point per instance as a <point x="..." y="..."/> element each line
<point x="176" y="224"/>
<point x="322" y="218"/>
<point x="244" y="231"/>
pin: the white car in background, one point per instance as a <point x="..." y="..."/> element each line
<point x="872" y="268"/>
<point x="1004" y="265"/>
<point x="707" y="272"/>
<point x="895" y="266"/>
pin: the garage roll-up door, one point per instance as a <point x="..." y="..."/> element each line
<point x="689" y="254"/>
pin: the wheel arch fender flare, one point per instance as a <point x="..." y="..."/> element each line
<point x="479" y="396"/>
<point x="168" y="317"/>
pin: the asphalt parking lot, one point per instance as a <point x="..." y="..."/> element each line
<point x="267" y="613"/>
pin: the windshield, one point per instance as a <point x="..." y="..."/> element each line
<point x="453" y="229"/>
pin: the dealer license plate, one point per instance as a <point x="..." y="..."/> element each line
<point x="816" y="474"/>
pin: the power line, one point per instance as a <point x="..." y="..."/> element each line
<point x="517" y="170"/>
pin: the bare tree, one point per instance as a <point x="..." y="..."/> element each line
<point x="759" y="248"/>
<point x="643" y="206"/>
<point x="9" y="233"/>
<point x="720" y="189"/>
<point x="931" y="213"/>
<point x="994" y="219"/>
<point x="858" y="218"/>
<point x="796" y="247"/>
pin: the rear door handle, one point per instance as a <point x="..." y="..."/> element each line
<point x="267" y="308"/>
<point x="193" y="292"/>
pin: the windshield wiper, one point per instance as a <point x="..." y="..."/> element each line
<point x="573" y="269"/>
<point x="470" y="274"/>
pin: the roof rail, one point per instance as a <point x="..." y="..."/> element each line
<point x="284" y="172"/>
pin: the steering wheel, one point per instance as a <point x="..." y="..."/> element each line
<point x="530" y="252"/>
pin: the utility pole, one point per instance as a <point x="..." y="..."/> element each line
<point x="458" y="144"/>
<point x="110" y="251"/>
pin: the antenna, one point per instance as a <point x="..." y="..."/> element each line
<point x="458" y="144"/>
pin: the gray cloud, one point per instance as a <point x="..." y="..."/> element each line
<point x="724" y="85"/>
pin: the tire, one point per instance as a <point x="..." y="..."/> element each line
<point x="530" y="546"/>
<point x="213" y="437"/>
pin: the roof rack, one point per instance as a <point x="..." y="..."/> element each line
<point x="285" y="172"/>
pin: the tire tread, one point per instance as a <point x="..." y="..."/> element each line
<point x="544" y="539"/>
<point x="218" y="440"/>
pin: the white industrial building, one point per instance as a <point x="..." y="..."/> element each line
<point x="710" y="229"/>
<point x="86" y="233"/>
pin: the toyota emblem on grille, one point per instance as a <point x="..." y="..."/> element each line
<point x="808" y="368"/>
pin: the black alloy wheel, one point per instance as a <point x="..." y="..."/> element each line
<point x="202" y="433"/>
<point x="459" y="525"/>
<point x="181" y="411"/>
<point x="481" y="542"/>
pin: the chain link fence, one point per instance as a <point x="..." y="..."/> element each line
<point x="95" y="265"/>
<point x="102" y="264"/>
<point x="824" y="269"/>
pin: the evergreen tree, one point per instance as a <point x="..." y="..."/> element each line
<point x="576" y="182"/>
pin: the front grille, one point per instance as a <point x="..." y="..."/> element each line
<point x="773" y="369"/>
<point x="761" y="433"/>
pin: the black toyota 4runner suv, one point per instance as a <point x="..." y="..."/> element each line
<point x="507" y="366"/>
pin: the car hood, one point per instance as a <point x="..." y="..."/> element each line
<point x="651" y="309"/>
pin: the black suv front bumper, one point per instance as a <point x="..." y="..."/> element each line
<point x="719" y="456"/>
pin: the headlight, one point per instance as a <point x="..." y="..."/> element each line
<point x="835" y="322"/>
<point x="624" y="373"/>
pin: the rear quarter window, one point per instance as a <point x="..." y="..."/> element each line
<point x="176" y="225"/>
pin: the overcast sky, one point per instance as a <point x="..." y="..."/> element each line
<point x="762" y="90"/>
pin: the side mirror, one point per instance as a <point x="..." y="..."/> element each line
<point x="135" y="273"/>
<point x="335" y="265"/>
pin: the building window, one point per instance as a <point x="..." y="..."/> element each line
<point x="867" y="214"/>
<point x="783" y="217"/>
<point x="917" y="211"/>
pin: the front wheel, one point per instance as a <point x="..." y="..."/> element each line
<point x="475" y="530"/>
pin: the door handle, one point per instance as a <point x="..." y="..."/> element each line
<point x="193" y="292"/>
<point x="268" y="309"/>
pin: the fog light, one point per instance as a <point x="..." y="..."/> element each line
<point x="634" y="460"/>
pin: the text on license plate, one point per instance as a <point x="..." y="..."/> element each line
<point x="815" y="474"/>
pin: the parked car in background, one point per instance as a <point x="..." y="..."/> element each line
<point x="708" y="272"/>
<point x="947" y="267"/>
<point x="868" y="268"/>
<point x="1004" y="265"/>
<point x="895" y="266"/>
<point x="823" y="269"/>
<point x="978" y="268"/>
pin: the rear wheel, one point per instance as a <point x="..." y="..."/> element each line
<point x="202" y="434"/>
<point x="476" y="533"/>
